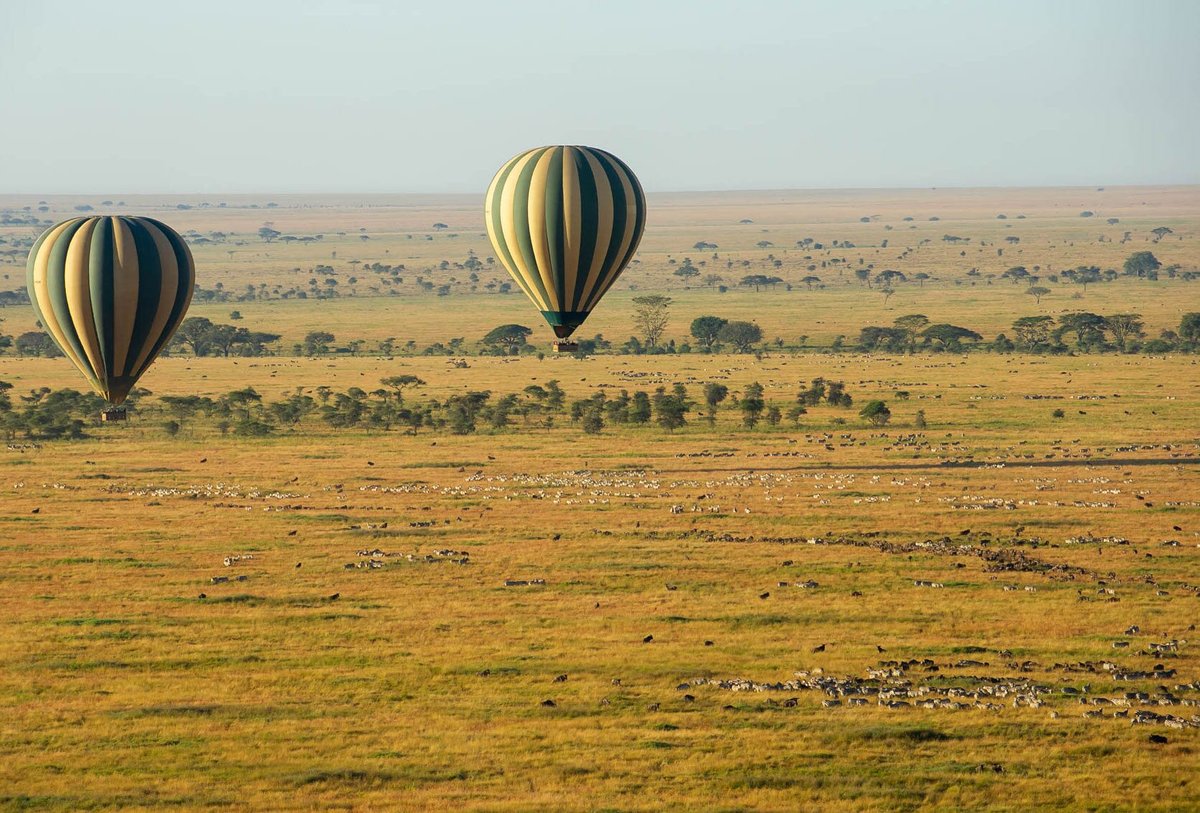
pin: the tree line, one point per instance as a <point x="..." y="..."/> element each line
<point x="1081" y="331"/>
<point x="45" y="414"/>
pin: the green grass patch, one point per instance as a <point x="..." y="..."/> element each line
<point x="128" y="561"/>
<point x="240" y="598"/>
<point x="89" y="622"/>
<point x="767" y="620"/>
<point x="902" y="733"/>
<point x="766" y="783"/>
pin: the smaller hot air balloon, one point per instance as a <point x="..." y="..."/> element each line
<point x="110" y="291"/>
<point x="565" y="221"/>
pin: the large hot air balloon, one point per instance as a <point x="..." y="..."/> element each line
<point x="110" y="291"/>
<point x="565" y="221"/>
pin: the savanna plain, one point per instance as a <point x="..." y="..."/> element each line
<point x="270" y="600"/>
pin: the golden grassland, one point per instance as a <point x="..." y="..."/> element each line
<point x="1053" y="237"/>
<point x="421" y="685"/>
<point x="124" y="689"/>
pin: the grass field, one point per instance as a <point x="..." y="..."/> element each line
<point x="1052" y="237"/>
<point x="975" y="583"/>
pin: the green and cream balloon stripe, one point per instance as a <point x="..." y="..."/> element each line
<point x="565" y="221"/>
<point x="111" y="291"/>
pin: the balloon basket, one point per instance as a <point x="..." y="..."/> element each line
<point x="565" y="347"/>
<point x="113" y="414"/>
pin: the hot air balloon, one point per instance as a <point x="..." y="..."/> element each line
<point x="110" y="291"/>
<point x="565" y="221"/>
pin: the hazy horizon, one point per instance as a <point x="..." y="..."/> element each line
<point x="349" y="193"/>
<point x="365" y="98"/>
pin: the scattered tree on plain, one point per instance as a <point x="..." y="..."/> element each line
<point x="876" y="413"/>
<point x="508" y="337"/>
<point x="1142" y="263"/>
<point x="651" y="316"/>
<point x="706" y="330"/>
<point x="742" y="335"/>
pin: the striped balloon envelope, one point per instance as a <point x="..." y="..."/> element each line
<point x="565" y="221"/>
<point x="110" y="291"/>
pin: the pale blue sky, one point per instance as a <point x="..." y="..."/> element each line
<point x="362" y="96"/>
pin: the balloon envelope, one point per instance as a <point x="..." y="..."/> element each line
<point x="110" y="291"/>
<point x="565" y="221"/>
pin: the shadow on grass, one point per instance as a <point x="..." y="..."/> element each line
<point x="354" y="778"/>
<point x="902" y="733"/>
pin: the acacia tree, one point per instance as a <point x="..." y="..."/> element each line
<point x="1089" y="329"/>
<point x="876" y="413"/>
<point x="399" y="383"/>
<point x="1189" y="327"/>
<point x="1085" y="275"/>
<point x="1141" y="263"/>
<point x="1125" y="327"/>
<point x="195" y="332"/>
<point x="223" y="337"/>
<point x="639" y="408"/>
<point x="758" y="281"/>
<point x="670" y="410"/>
<point x="705" y="330"/>
<point x="462" y="411"/>
<point x="1037" y="292"/>
<point x="949" y="336"/>
<point x="891" y="339"/>
<point x="1017" y="273"/>
<point x="911" y="325"/>
<point x="714" y="394"/>
<point x="651" y="315"/>
<point x="317" y="342"/>
<point x="752" y="405"/>
<point x="742" y="335"/>
<point x="686" y="270"/>
<point x="510" y="337"/>
<point x="593" y="421"/>
<point x="1033" y="332"/>
<point x="5" y="402"/>
<point x="243" y="399"/>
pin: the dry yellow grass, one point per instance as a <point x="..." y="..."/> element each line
<point x="123" y="689"/>
<point x="1052" y="237"/>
